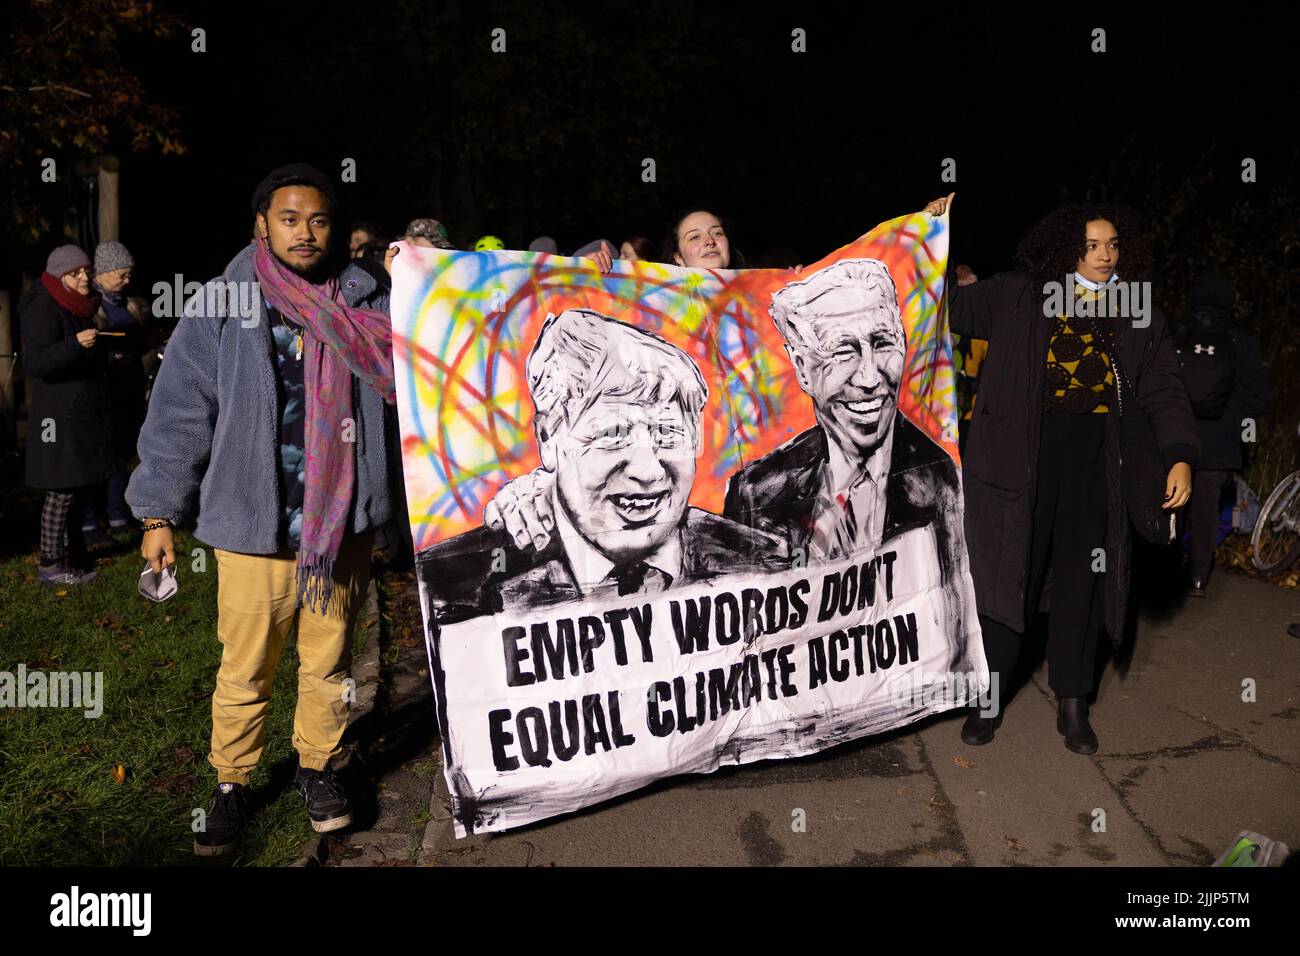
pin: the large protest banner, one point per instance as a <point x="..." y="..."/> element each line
<point x="668" y="519"/>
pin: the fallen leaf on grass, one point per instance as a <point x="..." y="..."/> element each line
<point x="60" y="593"/>
<point x="118" y="774"/>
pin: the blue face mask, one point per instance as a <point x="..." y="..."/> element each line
<point x="1094" y="286"/>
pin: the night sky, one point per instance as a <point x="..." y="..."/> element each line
<point x="802" y="151"/>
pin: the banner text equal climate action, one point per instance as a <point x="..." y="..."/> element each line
<point x="568" y="646"/>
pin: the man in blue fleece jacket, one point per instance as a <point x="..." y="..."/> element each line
<point x="223" y="443"/>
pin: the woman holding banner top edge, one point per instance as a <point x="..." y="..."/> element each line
<point x="697" y="239"/>
<point x="1081" y="427"/>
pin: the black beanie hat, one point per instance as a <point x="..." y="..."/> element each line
<point x="1213" y="290"/>
<point x="293" y="173"/>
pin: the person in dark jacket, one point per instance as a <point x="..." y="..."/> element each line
<point x="68" y="444"/>
<point x="1043" y="477"/>
<point x="125" y="379"/>
<point x="1210" y="305"/>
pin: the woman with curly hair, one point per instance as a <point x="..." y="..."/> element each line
<point x="1081" y="427"/>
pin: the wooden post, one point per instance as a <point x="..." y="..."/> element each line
<point x="108" y="199"/>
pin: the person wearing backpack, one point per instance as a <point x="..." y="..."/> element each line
<point x="1227" y="384"/>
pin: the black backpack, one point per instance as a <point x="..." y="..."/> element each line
<point x="1207" y="361"/>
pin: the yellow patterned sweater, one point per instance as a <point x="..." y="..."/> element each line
<point x="1079" y="374"/>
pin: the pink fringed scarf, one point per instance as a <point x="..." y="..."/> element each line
<point x="339" y="341"/>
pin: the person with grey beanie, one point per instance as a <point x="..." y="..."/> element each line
<point x="112" y="256"/>
<point x="68" y="453"/>
<point x="113" y="265"/>
<point x="125" y="378"/>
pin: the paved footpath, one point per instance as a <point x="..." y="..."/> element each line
<point x="1184" y="765"/>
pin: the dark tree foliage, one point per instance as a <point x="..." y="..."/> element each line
<point x="68" y="91"/>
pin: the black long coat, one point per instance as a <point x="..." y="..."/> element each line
<point x="68" y="390"/>
<point x="1001" y="460"/>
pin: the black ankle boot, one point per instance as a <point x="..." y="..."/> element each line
<point x="977" y="730"/>
<point x="1072" y="720"/>
<point x="227" y="814"/>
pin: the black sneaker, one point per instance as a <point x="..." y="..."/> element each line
<point x="327" y="804"/>
<point x="226" y="816"/>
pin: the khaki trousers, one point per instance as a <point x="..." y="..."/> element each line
<point x="255" y="611"/>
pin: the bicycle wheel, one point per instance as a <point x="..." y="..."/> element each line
<point x="1275" y="543"/>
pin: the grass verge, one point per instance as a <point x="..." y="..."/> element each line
<point x="121" y="789"/>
